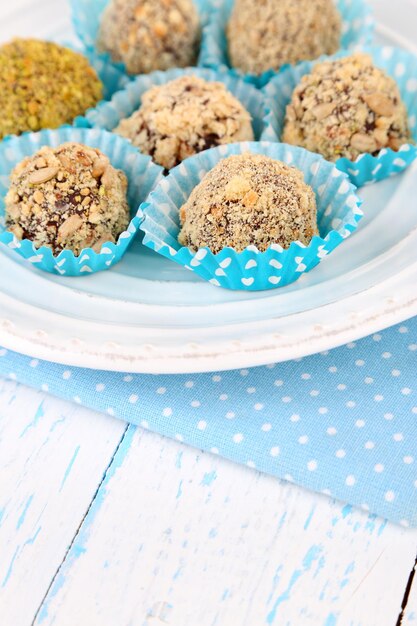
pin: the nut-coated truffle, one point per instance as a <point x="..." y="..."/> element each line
<point x="43" y="85"/>
<point x="148" y="35"/>
<point x="266" y="34"/>
<point x="184" y="117"/>
<point x="67" y="198"/>
<point x="346" y="107"/>
<point x="249" y="200"/>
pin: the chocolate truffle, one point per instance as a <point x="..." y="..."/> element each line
<point x="43" y="85"/>
<point x="346" y="107"/>
<point x="249" y="200"/>
<point x="266" y="34"/>
<point x="67" y="198"/>
<point x="148" y="35"/>
<point x="186" y="116"/>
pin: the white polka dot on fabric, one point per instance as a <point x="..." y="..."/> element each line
<point x="389" y="496"/>
<point x="377" y="337"/>
<point x="379" y="468"/>
<point x="386" y="355"/>
<point x="351" y="345"/>
<point x="238" y="438"/>
<point x="202" y="425"/>
<point x="167" y="412"/>
<point x="378" y="398"/>
<point x="133" y="398"/>
<point x="251" y="390"/>
<point x="312" y="465"/>
<point x="66" y="375"/>
<point x="216" y="379"/>
<point x="128" y="378"/>
<point x="295" y="418"/>
<point x="278" y="383"/>
<point x="267" y="427"/>
<point x="333" y="369"/>
<point x="3" y="352"/>
<point x="161" y="390"/>
<point x="195" y="404"/>
<point x="406" y="391"/>
<point x="341" y="387"/>
<point x="360" y="363"/>
<point x="286" y="399"/>
<point x="388" y="416"/>
<point x="223" y="397"/>
<point x="314" y="393"/>
<point x="230" y="415"/>
<point x="244" y="372"/>
<point x="306" y="376"/>
<point x="368" y="380"/>
<point x="100" y="387"/>
<point x="258" y="406"/>
<point x="189" y="384"/>
<point x="350" y="480"/>
<point x="396" y="373"/>
<point x="403" y="330"/>
<point x="323" y="410"/>
<point x="340" y="454"/>
<point x="350" y="404"/>
<point x="274" y="451"/>
<point x="413" y="347"/>
<point x="369" y="445"/>
<point x="34" y="363"/>
<point x="303" y="440"/>
<point x="360" y="423"/>
<point x="398" y="437"/>
<point x="414" y="410"/>
<point x="331" y="431"/>
<point x="408" y="460"/>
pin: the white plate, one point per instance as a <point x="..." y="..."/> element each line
<point x="150" y="315"/>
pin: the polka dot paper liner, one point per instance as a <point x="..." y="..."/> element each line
<point x="357" y="28"/>
<point x="142" y="176"/>
<point x="252" y="270"/>
<point x="400" y="65"/>
<point x="107" y="115"/>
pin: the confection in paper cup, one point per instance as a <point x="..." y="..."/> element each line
<point x="86" y="16"/>
<point x="338" y="216"/>
<point x="357" y="29"/>
<point x="107" y="115"/>
<point x="142" y="175"/>
<point x="400" y="65"/>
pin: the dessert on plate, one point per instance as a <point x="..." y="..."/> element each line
<point x="43" y="85"/>
<point x="148" y="35"/>
<point x="249" y="200"/>
<point x="265" y="35"/>
<point x="346" y="107"/>
<point x="186" y="116"/>
<point x="67" y="198"/>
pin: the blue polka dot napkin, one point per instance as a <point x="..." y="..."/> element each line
<point x="343" y="422"/>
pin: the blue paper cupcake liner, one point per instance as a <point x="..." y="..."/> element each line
<point x="252" y="270"/>
<point x="86" y="16"/>
<point x="357" y="28"/>
<point x="399" y="64"/>
<point x="107" y="115"/>
<point x="142" y="175"/>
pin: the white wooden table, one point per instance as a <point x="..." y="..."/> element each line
<point x="102" y="524"/>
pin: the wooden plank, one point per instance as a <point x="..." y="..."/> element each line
<point x="409" y="616"/>
<point x="178" y="537"/>
<point x="52" y="459"/>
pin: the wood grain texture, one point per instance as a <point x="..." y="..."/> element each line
<point x="179" y="537"/>
<point x="52" y="459"/>
<point x="409" y="617"/>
